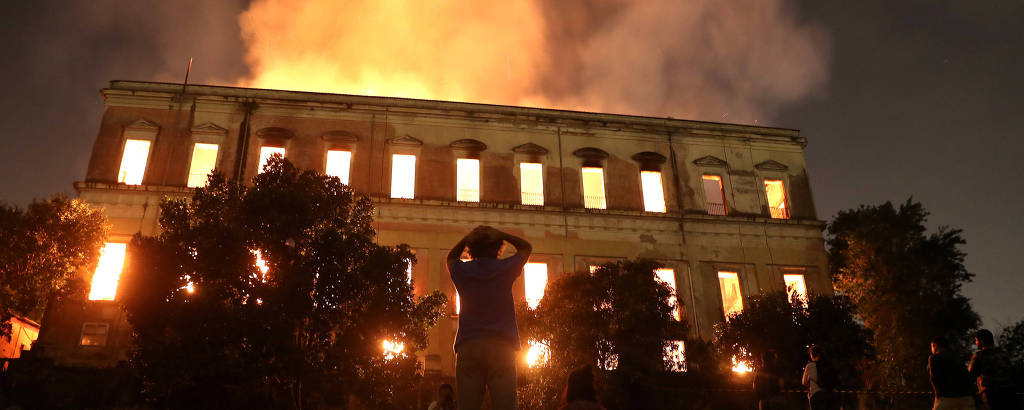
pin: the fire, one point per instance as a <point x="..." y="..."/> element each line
<point x="740" y="366"/>
<point x="392" y="348"/>
<point x="537" y="354"/>
<point x="108" y="272"/>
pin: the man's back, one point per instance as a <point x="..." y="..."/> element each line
<point x="485" y="292"/>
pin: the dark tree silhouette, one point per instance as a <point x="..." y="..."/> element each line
<point x="48" y="250"/>
<point x="905" y="283"/>
<point x="273" y="296"/>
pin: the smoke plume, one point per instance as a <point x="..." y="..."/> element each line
<point x="715" y="60"/>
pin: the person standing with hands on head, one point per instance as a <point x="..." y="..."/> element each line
<point x="487" y="343"/>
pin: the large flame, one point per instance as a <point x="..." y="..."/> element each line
<point x="725" y="60"/>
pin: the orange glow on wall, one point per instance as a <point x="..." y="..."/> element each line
<point x="338" y="164"/>
<point x="108" y="272"/>
<point x="265" y="153"/>
<point x="531" y="183"/>
<point x="668" y="277"/>
<point x="535" y="278"/>
<point x="593" y="188"/>
<point x="732" y="298"/>
<point x="467" y="180"/>
<point x="778" y="206"/>
<point x="714" y="195"/>
<point x="795" y="287"/>
<point x="654" y="191"/>
<point x="403" y="176"/>
<point x="133" y="162"/>
<point x="204" y="160"/>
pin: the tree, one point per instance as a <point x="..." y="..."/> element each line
<point x="618" y="317"/>
<point x="905" y="283"/>
<point x="1011" y="339"/>
<point x="48" y="250"/>
<point x="776" y="322"/>
<point x="273" y="296"/>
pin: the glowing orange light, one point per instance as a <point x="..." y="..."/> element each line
<point x="338" y="164"/>
<point x="392" y="348"/>
<point x="740" y="366"/>
<point x="265" y="153"/>
<point x="675" y="356"/>
<point x="795" y="287"/>
<point x="403" y="176"/>
<point x="531" y="177"/>
<point x="261" y="264"/>
<point x="668" y="277"/>
<point x="732" y="299"/>
<point x="777" y="204"/>
<point x="593" y="188"/>
<point x="133" y="162"/>
<point x="108" y="272"/>
<point x="535" y="278"/>
<point x="467" y="179"/>
<point x="654" y="192"/>
<point x="714" y="195"/>
<point x="204" y="160"/>
<point x="537" y="354"/>
<point x="190" y="288"/>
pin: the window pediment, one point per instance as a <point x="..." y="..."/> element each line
<point x="711" y="161"/>
<point x="142" y="125"/>
<point x="209" y="128"/>
<point x="339" y="136"/>
<point x="406" y="140"/>
<point x="591" y="154"/>
<point x="530" y="148"/>
<point x="469" y="145"/>
<point x="275" y="133"/>
<point x="771" y="165"/>
<point x="649" y="161"/>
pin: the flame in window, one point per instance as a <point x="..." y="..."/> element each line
<point x="403" y="176"/>
<point x="338" y="164"/>
<point x="668" y="277"/>
<point x="265" y="153"/>
<point x="467" y="179"/>
<point x="537" y="354"/>
<point x="732" y="299"/>
<point x="675" y="356"/>
<point x="535" y="278"/>
<point x="531" y="183"/>
<point x="593" y="188"/>
<point x="392" y="348"/>
<point x="714" y="195"/>
<point x="133" y="162"/>
<point x="204" y="160"/>
<point x="108" y="272"/>
<point x="795" y="287"/>
<point x="777" y="204"/>
<point x="741" y="366"/>
<point x="654" y="191"/>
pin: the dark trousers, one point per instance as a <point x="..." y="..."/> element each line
<point x="486" y="365"/>
<point x="825" y="400"/>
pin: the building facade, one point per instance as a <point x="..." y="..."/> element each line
<point x="726" y="208"/>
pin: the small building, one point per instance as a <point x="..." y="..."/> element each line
<point x="727" y="209"/>
<point x="24" y="332"/>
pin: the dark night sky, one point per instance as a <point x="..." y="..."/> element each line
<point x="923" y="99"/>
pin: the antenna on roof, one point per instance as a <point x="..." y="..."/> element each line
<point x="188" y="70"/>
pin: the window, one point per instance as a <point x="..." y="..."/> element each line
<point x="538" y="353"/>
<point x="675" y="356"/>
<point x="204" y="160"/>
<point x="714" y="195"/>
<point x="593" y="188"/>
<point x="94" y="334"/>
<point x="654" y="192"/>
<point x="133" y="163"/>
<point x="338" y="164"/>
<point x="467" y="180"/>
<point x="732" y="299"/>
<point x="403" y="176"/>
<point x="668" y="277"/>
<point x="265" y="153"/>
<point x="531" y="181"/>
<point x="535" y="278"/>
<point x="108" y="272"/>
<point x="777" y="204"/>
<point x="795" y="287"/>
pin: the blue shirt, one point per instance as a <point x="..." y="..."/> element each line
<point x="485" y="293"/>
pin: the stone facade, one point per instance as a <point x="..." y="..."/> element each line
<point x="566" y="235"/>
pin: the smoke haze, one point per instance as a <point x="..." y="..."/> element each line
<point x="725" y="60"/>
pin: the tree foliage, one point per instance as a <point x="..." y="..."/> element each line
<point x="905" y="282"/>
<point x="618" y="317"/>
<point x="49" y="249"/>
<point x="212" y="328"/>
<point x="776" y="322"/>
<point x="1011" y="339"/>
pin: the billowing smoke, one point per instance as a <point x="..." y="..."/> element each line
<point x="716" y="60"/>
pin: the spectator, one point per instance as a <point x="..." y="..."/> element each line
<point x="445" y="398"/>
<point x="768" y="383"/>
<point x="579" y="391"/>
<point x="949" y="378"/>
<point x="821" y="380"/>
<point x="990" y="366"/>
<point x="487" y="340"/>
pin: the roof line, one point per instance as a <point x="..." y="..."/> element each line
<point x="243" y="92"/>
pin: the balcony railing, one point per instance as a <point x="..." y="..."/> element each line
<point x="716" y="209"/>
<point x="197" y="180"/>
<point x="779" y="213"/>
<point x="594" y="202"/>
<point x="533" y="198"/>
<point x="468" y="195"/>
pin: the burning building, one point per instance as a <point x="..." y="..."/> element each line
<point x="727" y="209"/>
